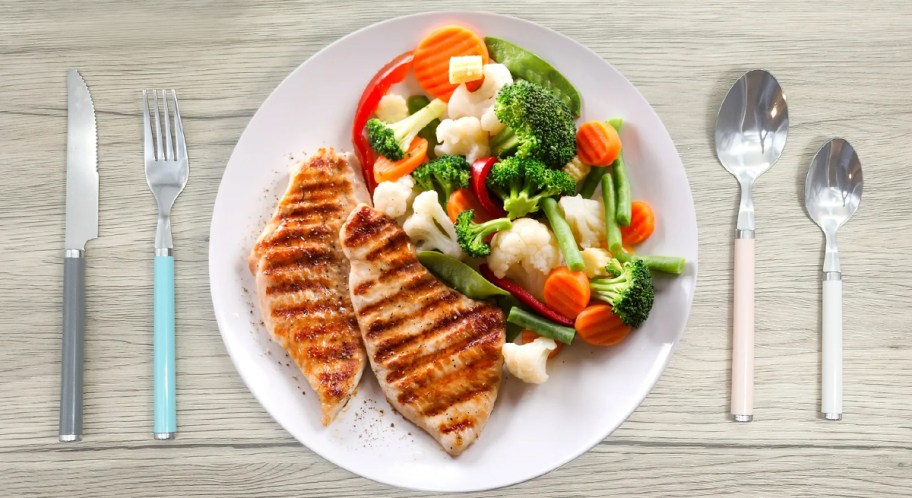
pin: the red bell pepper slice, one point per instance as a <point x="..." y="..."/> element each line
<point x="393" y="72"/>
<point x="526" y="297"/>
<point x="480" y="169"/>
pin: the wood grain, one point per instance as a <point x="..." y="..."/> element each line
<point x="846" y="71"/>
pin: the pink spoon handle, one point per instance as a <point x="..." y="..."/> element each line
<point x="742" y="394"/>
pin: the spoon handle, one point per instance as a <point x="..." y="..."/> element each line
<point x="831" y="393"/>
<point x="742" y="393"/>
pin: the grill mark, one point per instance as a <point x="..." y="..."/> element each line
<point x="399" y="268"/>
<point x="478" y="331"/>
<point x="336" y="381"/>
<point x="301" y="257"/>
<point x="426" y="382"/>
<point x="386" y="350"/>
<point x="442" y="404"/>
<point x="364" y="287"/>
<point x="337" y="325"/>
<point x="364" y="226"/>
<point x="378" y="327"/>
<point x="423" y="282"/>
<point x="459" y="425"/>
<point x="304" y="309"/>
<point x="295" y="285"/>
<point x="288" y="234"/>
<point x="340" y="352"/>
<point x="394" y="243"/>
<point x="304" y="210"/>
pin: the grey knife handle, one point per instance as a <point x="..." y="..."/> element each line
<point x="71" y="362"/>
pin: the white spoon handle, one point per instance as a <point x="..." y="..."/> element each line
<point x="831" y="395"/>
<point x="742" y="388"/>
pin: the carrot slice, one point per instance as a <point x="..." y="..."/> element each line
<point x="390" y="171"/>
<point x="528" y="336"/>
<point x="642" y="223"/>
<point x="567" y="292"/>
<point x="597" y="143"/>
<point x="432" y="58"/>
<point x="599" y="326"/>
<point x="463" y="199"/>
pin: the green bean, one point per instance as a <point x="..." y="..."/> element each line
<point x="665" y="264"/>
<point x="506" y="303"/>
<point x="609" y="198"/>
<point x="622" y="185"/>
<point x="564" y="235"/>
<point x="591" y="182"/>
<point x="540" y="326"/>
<point x="415" y="103"/>
<point x="459" y="276"/>
<point x="527" y="66"/>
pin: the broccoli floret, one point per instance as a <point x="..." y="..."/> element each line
<point x="393" y="139"/>
<point x="523" y="183"/>
<point x="471" y="235"/>
<point x="630" y="293"/>
<point x="538" y="125"/>
<point x="444" y="175"/>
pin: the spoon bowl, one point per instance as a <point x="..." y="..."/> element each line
<point x="833" y="187"/>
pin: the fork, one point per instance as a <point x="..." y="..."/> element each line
<point x="167" y="170"/>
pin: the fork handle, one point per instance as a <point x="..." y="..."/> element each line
<point x="165" y="423"/>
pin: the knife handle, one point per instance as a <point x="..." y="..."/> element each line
<point x="742" y="388"/>
<point x="72" y="351"/>
<point x="165" y="411"/>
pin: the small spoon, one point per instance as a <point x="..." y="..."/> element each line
<point x="832" y="192"/>
<point x="751" y="129"/>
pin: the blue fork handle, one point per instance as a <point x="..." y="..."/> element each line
<point x="165" y="425"/>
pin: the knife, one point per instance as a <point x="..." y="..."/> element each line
<point x="81" y="226"/>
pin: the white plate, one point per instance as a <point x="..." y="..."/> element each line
<point x="533" y="429"/>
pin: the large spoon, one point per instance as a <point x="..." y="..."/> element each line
<point x="832" y="192"/>
<point x="750" y="134"/>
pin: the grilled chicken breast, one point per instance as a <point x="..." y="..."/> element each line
<point x="436" y="353"/>
<point x="302" y="278"/>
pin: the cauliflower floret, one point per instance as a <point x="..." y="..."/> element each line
<point x="392" y="108"/>
<point x="526" y="253"/>
<point x="480" y="103"/>
<point x="596" y="259"/>
<point x="425" y="224"/>
<point x="577" y="169"/>
<point x="462" y="137"/>
<point x="528" y="362"/>
<point x="393" y="197"/>
<point x="586" y="218"/>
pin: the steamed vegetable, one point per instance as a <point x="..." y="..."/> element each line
<point x="390" y="74"/>
<point x="528" y="362"/>
<point x="462" y="200"/>
<point x="665" y="264"/>
<point x="415" y="103"/>
<point x="567" y="292"/>
<point x="432" y="57"/>
<point x="527" y="336"/>
<point x="465" y="68"/>
<point x="480" y="103"/>
<point x="577" y="169"/>
<point x="564" y="235"/>
<point x="526" y="298"/>
<point x="462" y="137"/>
<point x="609" y="201"/>
<point x="630" y="293"/>
<point x="387" y="170"/>
<point x="599" y="326"/>
<point x="459" y="276"/>
<point x="481" y="168"/>
<point x="523" y="183"/>
<point x="642" y="223"/>
<point x="527" y="253"/>
<point x="429" y="227"/>
<point x="596" y="259"/>
<point x="392" y="108"/>
<point x="538" y="125"/>
<point x="591" y="182"/>
<point x="586" y="218"/>
<point x="528" y="66"/>
<point x="597" y="143"/>
<point x="621" y="182"/>
<point x="391" y="140"/>
<point x="541" y="326"/>
<point x="393" y="198"/>
<point x="444" y="175"/>
<point x="471" y="236"/>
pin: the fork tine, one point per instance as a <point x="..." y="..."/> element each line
<point x="180" y="145"/>
<point x="147" y="129"/>
<point x="159" y="152"/>
<point x="169" y="150"/>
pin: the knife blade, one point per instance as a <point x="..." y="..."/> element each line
<point x="81" y="226"/>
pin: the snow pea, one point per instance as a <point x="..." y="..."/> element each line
<point x="527" y="66"/>
<point x="459" y="276"/>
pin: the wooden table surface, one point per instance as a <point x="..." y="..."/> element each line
<point x="846" y="71"/>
